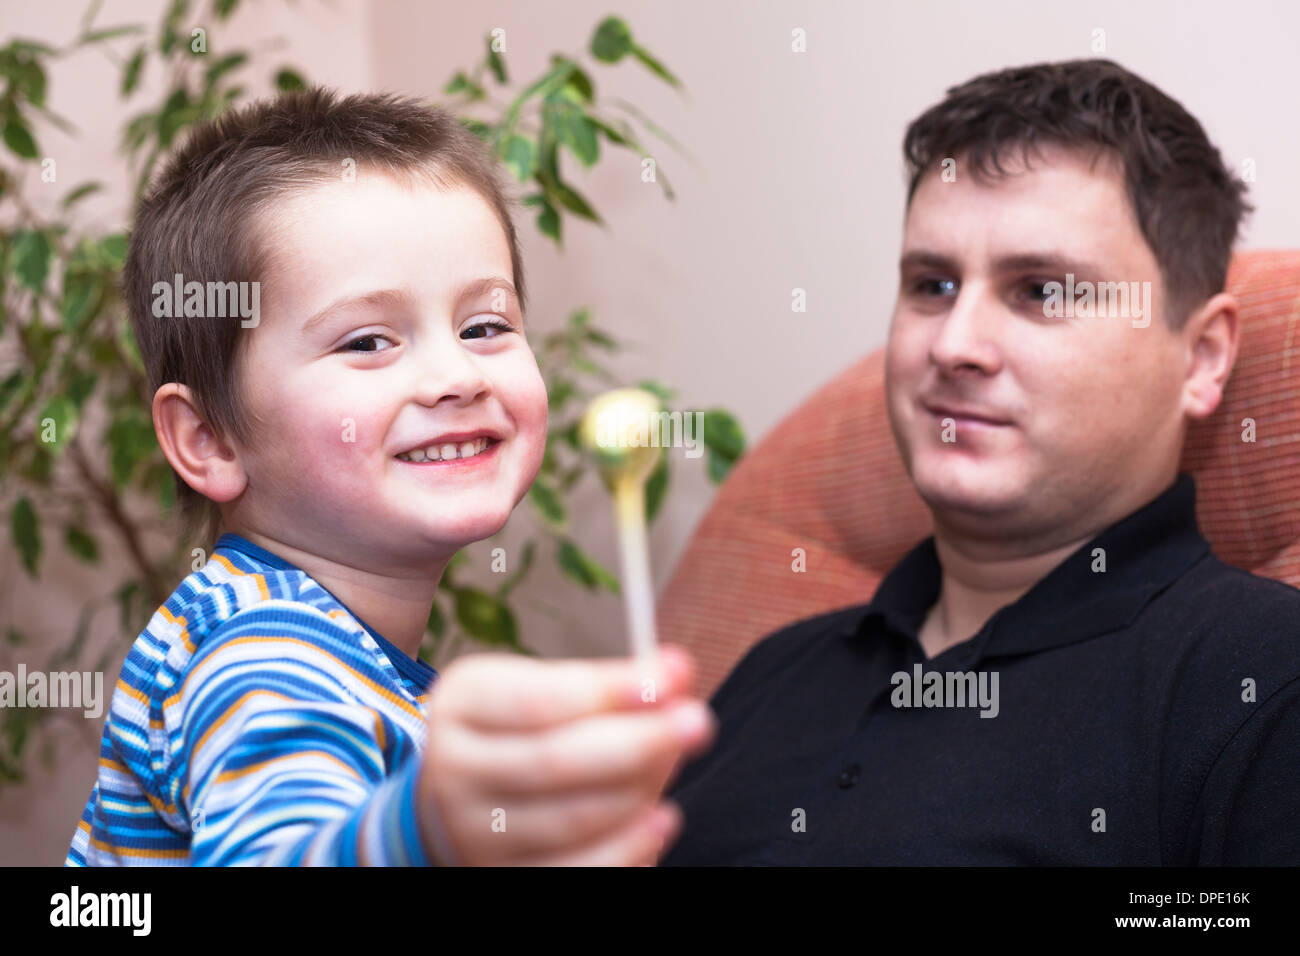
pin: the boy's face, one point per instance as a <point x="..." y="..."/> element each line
<point x="339" y="394"/>
<point x="1087" y="410"/>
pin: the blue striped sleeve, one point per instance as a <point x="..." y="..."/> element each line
<point x="289" y="750"/>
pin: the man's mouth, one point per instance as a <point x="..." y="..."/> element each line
<point x="450" y="452"/>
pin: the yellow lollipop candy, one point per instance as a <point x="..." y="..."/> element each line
<point x="617" y="429"/>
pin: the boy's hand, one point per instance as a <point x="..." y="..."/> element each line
<point x="557" y="762"/>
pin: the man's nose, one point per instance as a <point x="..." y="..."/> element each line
<point x="967" y="336"/>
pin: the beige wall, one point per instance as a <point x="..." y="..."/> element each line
<point x="797" y="181"/>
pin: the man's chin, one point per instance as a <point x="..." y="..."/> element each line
<point x="971" y="492"/>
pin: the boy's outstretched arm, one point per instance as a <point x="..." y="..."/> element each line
<point x="289" y="739"/>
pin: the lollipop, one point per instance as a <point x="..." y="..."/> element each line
<point x="616" y="429"/>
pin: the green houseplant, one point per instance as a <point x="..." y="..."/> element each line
<point x="62" y="314"/>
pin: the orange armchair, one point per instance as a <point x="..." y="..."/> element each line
<point x="829" y="480"/>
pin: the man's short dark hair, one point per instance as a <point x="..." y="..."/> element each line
<point x="1188" y="205"/>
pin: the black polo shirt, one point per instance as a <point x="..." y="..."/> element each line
<point x="1147" y="714"/>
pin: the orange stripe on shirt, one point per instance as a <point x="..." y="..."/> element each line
<point x="245" y="771"/>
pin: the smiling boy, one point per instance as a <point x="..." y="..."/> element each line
<point x="1149" y="709"/>
<point x="383" y="411"/>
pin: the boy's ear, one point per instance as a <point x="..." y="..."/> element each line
<point x="208" y="464"/>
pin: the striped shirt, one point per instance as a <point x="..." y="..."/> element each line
<point x="258" y="721"/>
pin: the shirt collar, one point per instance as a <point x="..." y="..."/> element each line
<point x="1144" y="553"/>
<point x="416" y="668"/>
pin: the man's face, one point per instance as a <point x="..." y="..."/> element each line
<point x="1083" y="412"/>
<point x="338" y="399"/>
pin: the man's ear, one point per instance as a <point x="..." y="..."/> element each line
<point x="1211" y="335"/>
<point x="208" y="464"/>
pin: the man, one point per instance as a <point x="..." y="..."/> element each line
<point x="1063" y="673"/>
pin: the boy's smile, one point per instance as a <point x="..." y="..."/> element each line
<point x="399" y="409"/>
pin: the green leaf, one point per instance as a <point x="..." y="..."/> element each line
<point x="601" y="340"/>
<point x="548" y="221"/>
<point x="583" y="568"/>
<point x="482" y="130"/>
<point x="18" y="137"/>
<point x="131" y="440"/>
<point x="655" y="488"/>
<point x="437" y="621"/>
<point x="723" y="434"/>
<point x="15" y="638"/>
<point x="514" y="577"/>
<point x="547" y="502"/>
<point x="664" y="393"/>
<point x="580" y="86"/>
<point x="170" y="37"/>
<point x="81" y="387"/>
<point x="40" y="469"/>
<point x="654" y="66"/>
<point x="82" y="191"/>
<point x="553" y="79"/>
<point x="620" y="137"/>
<point x="485" y="618"/>
<point x="461" y="83"/>
<point x="61" y="413"/>
<point x="222" y="67"/>
<point x="109" y="33"/>
<point x="81" y="544"/>
<point x="495" y="63"/>
<point x="288" y="80"/>
<point x="559" y="393"/>
<point x="719" y="466"/>
<point x="124" y="595"/>
<point x="27" y="533"/>
<point x="568" y="197"/>
<point x="31" y="46"/>
<point x="224" y="8"/>
<point x="612" y="40"/>
<point x="30" y="78"/>
<point x="520" y="157"/>
<point x="29" y="259"/>
<point x="81" y="292"/>
<point x="9" y="387"/>
<point x="113" y="249"/>
<point x="575" y="131"/>
<point x="131" y="75"/>
<point x="175" y="113"/>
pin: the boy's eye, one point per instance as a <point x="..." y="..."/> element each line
<point x="500" y="326"/>
<point x="366" y="339"/>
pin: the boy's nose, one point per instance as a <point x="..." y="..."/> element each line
<point x="450" y="375"/>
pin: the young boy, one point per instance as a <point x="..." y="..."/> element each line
<point x="328" y="297"/>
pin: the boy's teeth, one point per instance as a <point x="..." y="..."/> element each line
<point x="447" y="452"/>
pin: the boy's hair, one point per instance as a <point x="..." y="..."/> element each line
<point x="1187" y="204"/>
<point x="205" y="217"/>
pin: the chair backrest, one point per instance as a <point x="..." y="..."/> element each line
<point x="828" y="480"/>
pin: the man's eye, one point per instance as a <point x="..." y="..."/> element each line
<point x="1036" y="289"/>
<point x="366" y="339"/>
<point x="500" y="326"/>
<point x="932" y="286"/>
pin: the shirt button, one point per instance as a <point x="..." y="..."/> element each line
<point x="849" y="775"/>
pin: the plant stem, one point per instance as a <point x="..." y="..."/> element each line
<point x="108" y="499"/>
